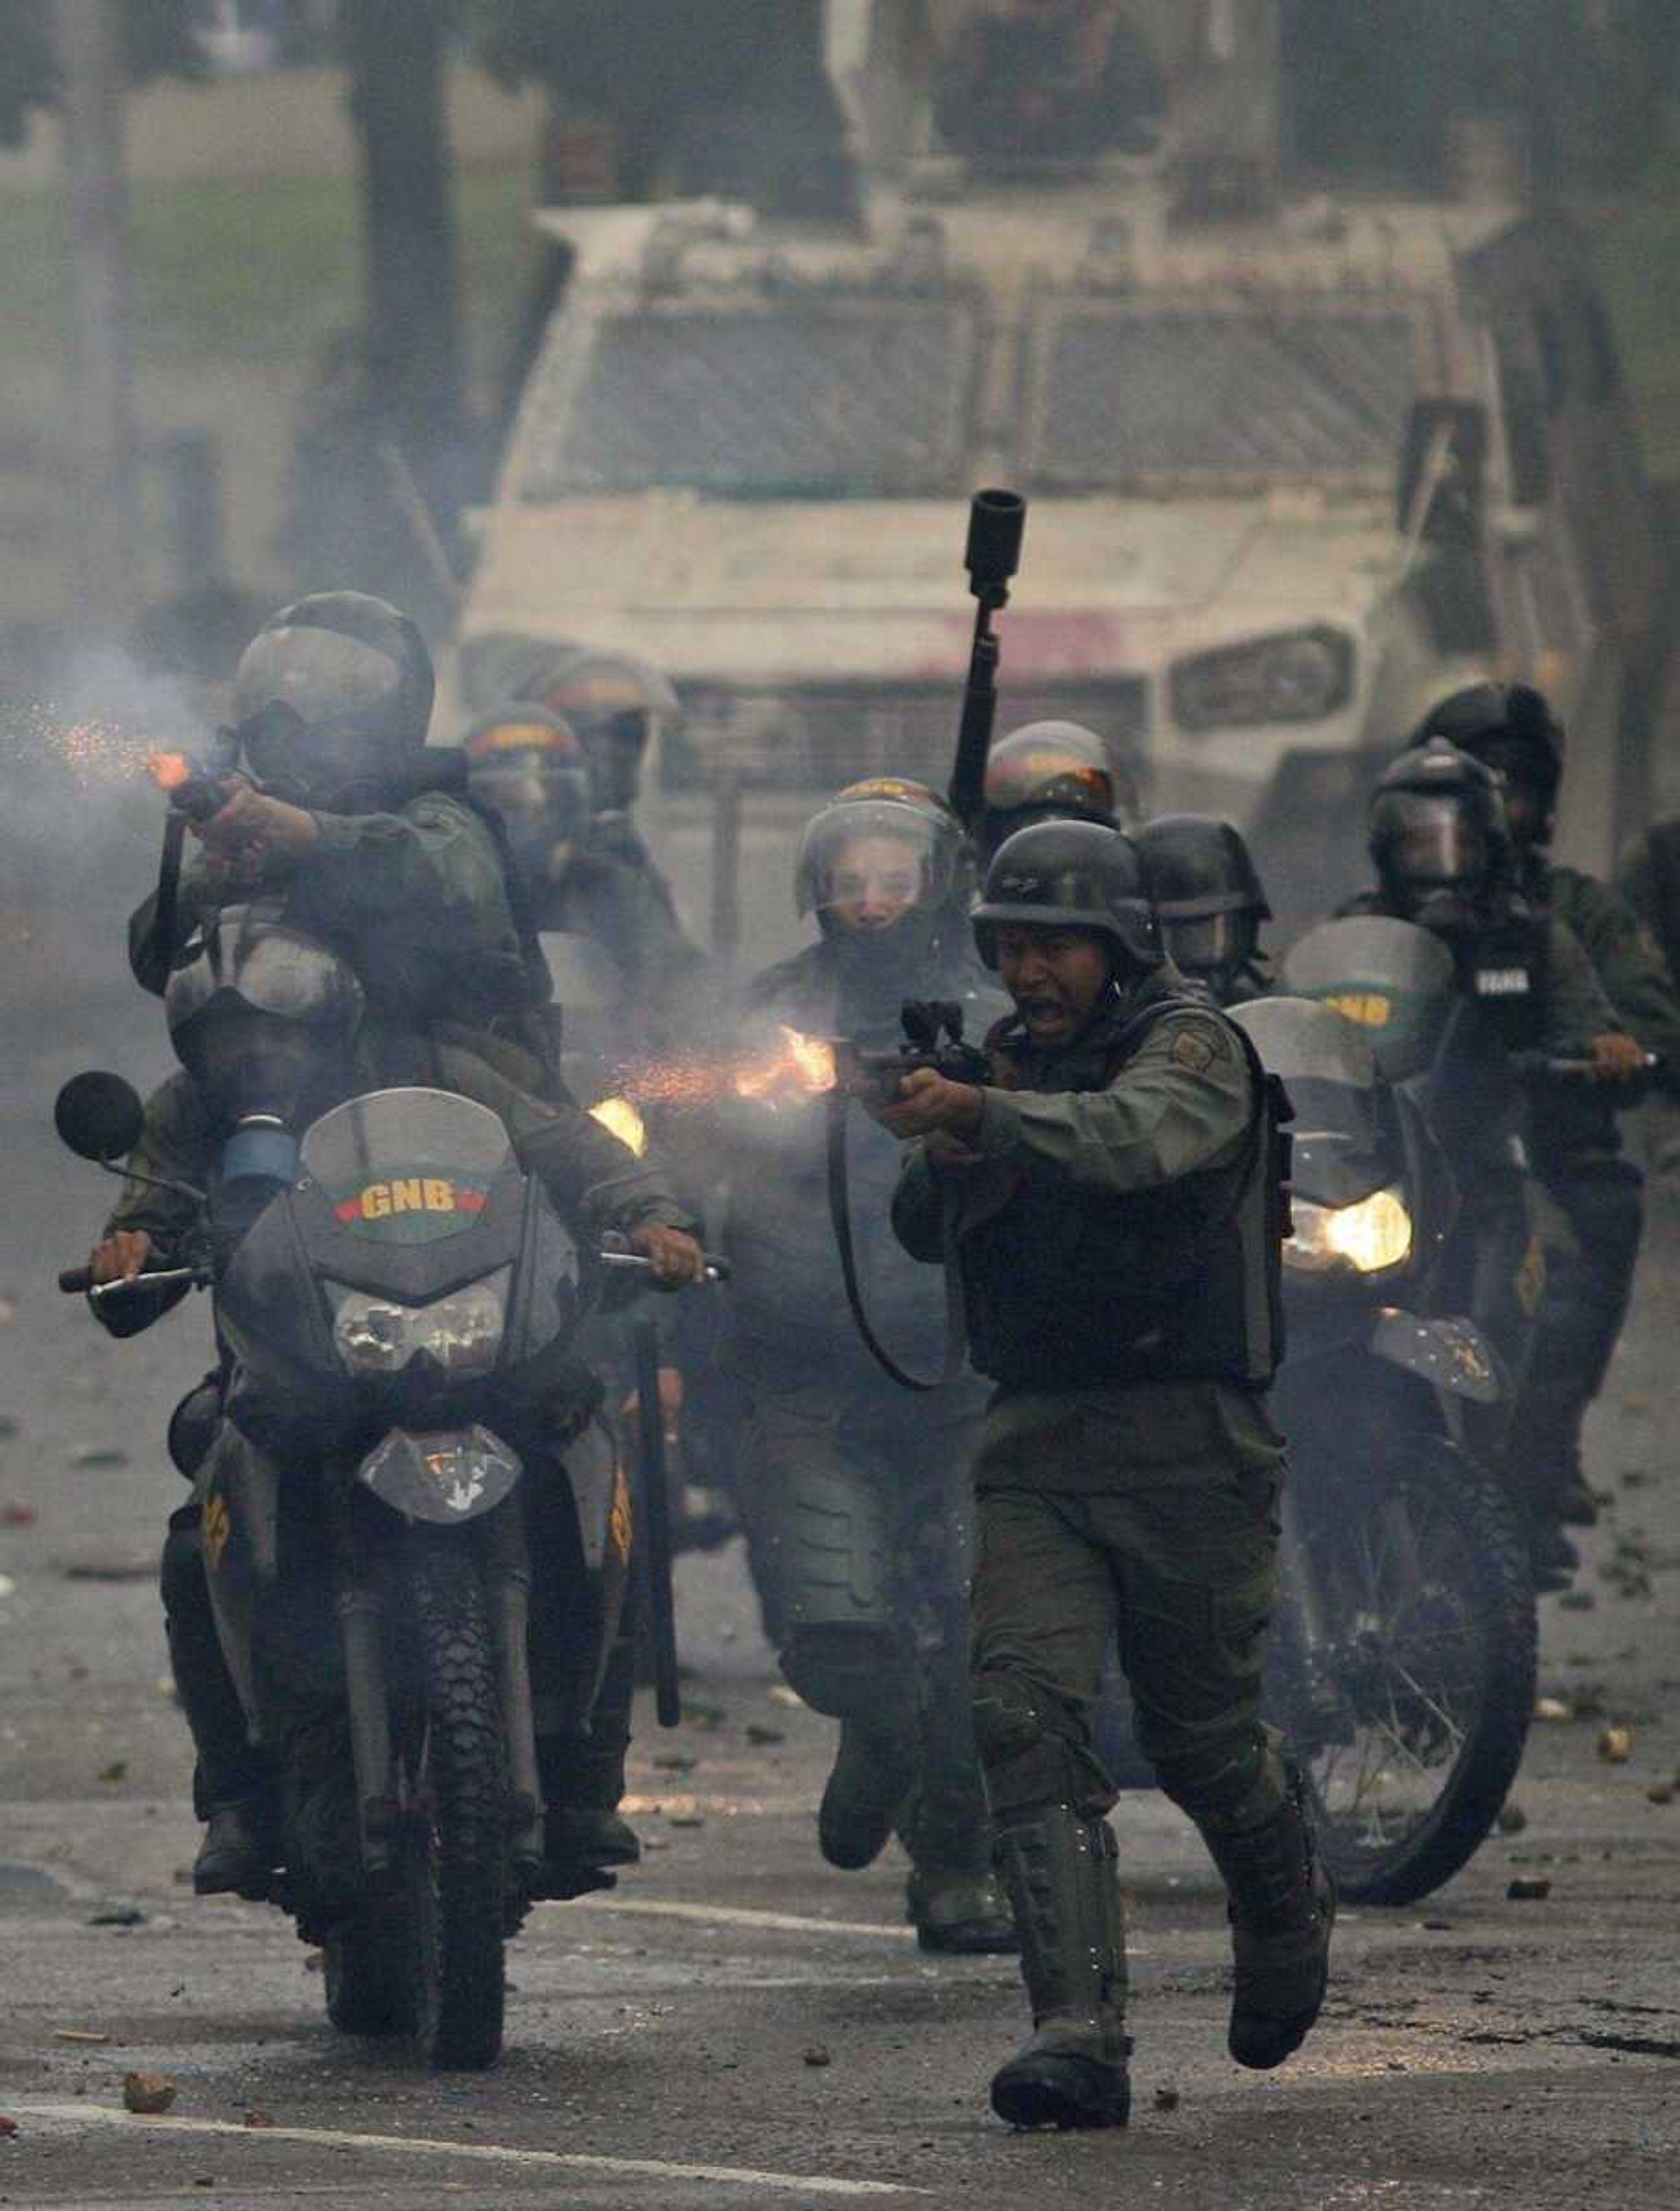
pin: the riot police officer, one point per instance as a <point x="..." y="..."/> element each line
<point x="855" y="1493"/>
<point x="1112" y="1197"/>
<point x="301" y="1050"/>
<point x="369" y="836"/>
<point x="1441" y="843"/>
<point x="528" y="766"/>
<point x="1512" y="729"/>
<point x="1209" y="903"/>
<point x="1050" y="771"/>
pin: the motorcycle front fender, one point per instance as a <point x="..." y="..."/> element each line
<point x="447" y="1476"/>
<point x="1451" y="1354"/>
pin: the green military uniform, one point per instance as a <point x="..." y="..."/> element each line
<point x="1118" y="1246"/>
<point x="415" y="900"/>
<point x="1649" y="881"/>
<point x="1577" y="1149"/>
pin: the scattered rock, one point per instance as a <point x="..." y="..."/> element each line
<point x="8" y="2128"/>
<point x="147" y="2094"/>
<point x="108" y="1570"/>
<point x="166" y="1689"/>
<point x="118" y="1915"/>
<point x="1637" y="1477"/>
<point x="1663" y="1793"/>
<point x="1512" y="1817"/>
<point x="781" y="1694"/>
<point x="259" y="2119"/>
<point x="687" y="1819"/>
<point x="1166" y="2100"/>
<point x="1437" y="1926"/>
<point x="8" y="1586"/>
<point x="675" y="1762"/>
<point x="117" y="1771"/>
<point x="762" y="1735"/>
<point x="1552" y="1708"/>
<point x="316" y="1962"/>
<point x="702" y="1716"/>
<point x="1616" y="1745"/>
<point x="98" y="1455"/>
<point x="16" y="1514"/>
<point x="78" y="2034"/>
<point x="1529" y="1889"/>
<point x="817" y="2055"/>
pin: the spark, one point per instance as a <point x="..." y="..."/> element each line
<point x="94" y="749"/>
<point x="622" y="1117"/>
<point x="169" y="770"/>
<point x="799" y="1067"/>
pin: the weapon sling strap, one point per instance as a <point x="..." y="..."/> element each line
<point x="956" y="1313"/>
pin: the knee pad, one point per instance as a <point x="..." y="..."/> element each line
<point x="848" y="1672"/>
<point x="1030" y="1750"/>
<point x="1226" y="1780"/>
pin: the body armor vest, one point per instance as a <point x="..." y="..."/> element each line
<point x="1067" y="1288"/>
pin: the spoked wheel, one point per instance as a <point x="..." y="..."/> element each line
<point x="454" y="1843"/>
<point x="1412" y="1711"/>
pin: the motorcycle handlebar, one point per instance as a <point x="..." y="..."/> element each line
<point x="717" y="1269"/>
<point x="1545" y="1066"/>
<point x="74" y="1281"/>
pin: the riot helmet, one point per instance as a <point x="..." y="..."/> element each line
<point x="529" y="765"/>
<point x="1510" y="728"/>
<point x="1069" y="875"/>
<point x="264" y="1018"/>
<point x="1207" y="896"/>
<point x="884" y="867"/>
<point x="1048" y="772"/>
<point x="614" y="704"/>
<point x="1438" y="829"/>
<point x="329" y="695"/>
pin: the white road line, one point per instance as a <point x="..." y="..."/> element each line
<point x="730" y="1915"/>
<point x="648" y="2168"/>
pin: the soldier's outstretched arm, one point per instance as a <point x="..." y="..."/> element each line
<point x="435" y="858"/>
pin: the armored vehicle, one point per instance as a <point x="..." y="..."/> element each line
<point x="1295" y="467"/>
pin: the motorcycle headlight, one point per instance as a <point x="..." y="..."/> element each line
<point x="1368" y="1237"/>
<point x="1298" y="675"/>
<point x="462" y="1332"/>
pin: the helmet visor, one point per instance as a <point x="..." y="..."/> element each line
<point x="334" y="686"/>
<point x="863" y="865"/>
<point x="537" y="799"/>
<point x="1423" y="839"/>
<point x="1210" y="943"/>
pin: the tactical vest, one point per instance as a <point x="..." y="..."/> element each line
<point x="1505" y="968"/>
<point x="1067" y="1288"/>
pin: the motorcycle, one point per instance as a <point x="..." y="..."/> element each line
<point x="407" y="1433"/>
<point x="1404" y="1656"/>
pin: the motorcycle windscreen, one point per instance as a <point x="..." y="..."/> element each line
<point x="1338" y="1136"/>
<point x="1390" y="979"/>
<point x="407" y="1167"/>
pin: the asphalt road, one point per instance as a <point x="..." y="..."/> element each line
<point x="739" y="2024"/>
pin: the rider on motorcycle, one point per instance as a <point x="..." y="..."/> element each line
<point x="1209" y="903"/>
<point x="1578" y="1148"/>
<point x="272" y="1029"/>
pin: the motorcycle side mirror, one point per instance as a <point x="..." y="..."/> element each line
<point x="99" y="1117"/>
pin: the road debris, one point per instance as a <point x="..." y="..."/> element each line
<point x="16" y="1514"/>
<point x="1552" y="1708"/>
<point x="762" y="1736"/>
<point x="818" y="2053"/>
<point x="1616" y="1745"/>
<point x="7" y="2129"/>
<point x="1166" y="2100"/>
<point x="117" y="1915"/>
<point x="781" y="1694"/>
<point x="1528" y="1888"/>
<point x="1662" y="1792"/>
<point x="92" y="1455"/>
<point x="1512" y="1817"/>
<point x="117" y="1771"/>
<point x="148" y="2094"/>
<point x="79" y="2034"/>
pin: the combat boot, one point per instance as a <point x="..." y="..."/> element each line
<point x="874" y="1772"/>
<point x="1283" y="1907"/>
<point x="1061" y="1874"/>
<point x="234" y="1858"/>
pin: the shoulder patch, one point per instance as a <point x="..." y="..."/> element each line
<point x="1193" y="1048"/>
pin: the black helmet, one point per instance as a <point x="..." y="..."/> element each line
<point x="1068" y="874"/>
<point x="1512" y="730"/>
<point x="530" y="766"/>
<point x="1438" y="824"/>
<point x="1205" y="891"/>
<point x="1048" y="772"/>
<point x="614" y="704"/>
<point x="330" y="691"/>
<point x="892" y="808"/>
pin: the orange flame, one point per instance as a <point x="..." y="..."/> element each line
<point x="804" y="1067"/>
<point x="169" y="770"/>
<point x="623" y="1117"/>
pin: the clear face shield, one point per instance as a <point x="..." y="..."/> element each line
<point x="1210" y="944"/>
<point x="328" y="701"/>
<point x="868" y="870"/>
<point x="1429" y="845"/>
<point x="545" y="806"/>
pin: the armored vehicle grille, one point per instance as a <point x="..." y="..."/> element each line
<point x="1120" y="399"/>
<point x="839" y="399"/>
<point x="818" y="740"/>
